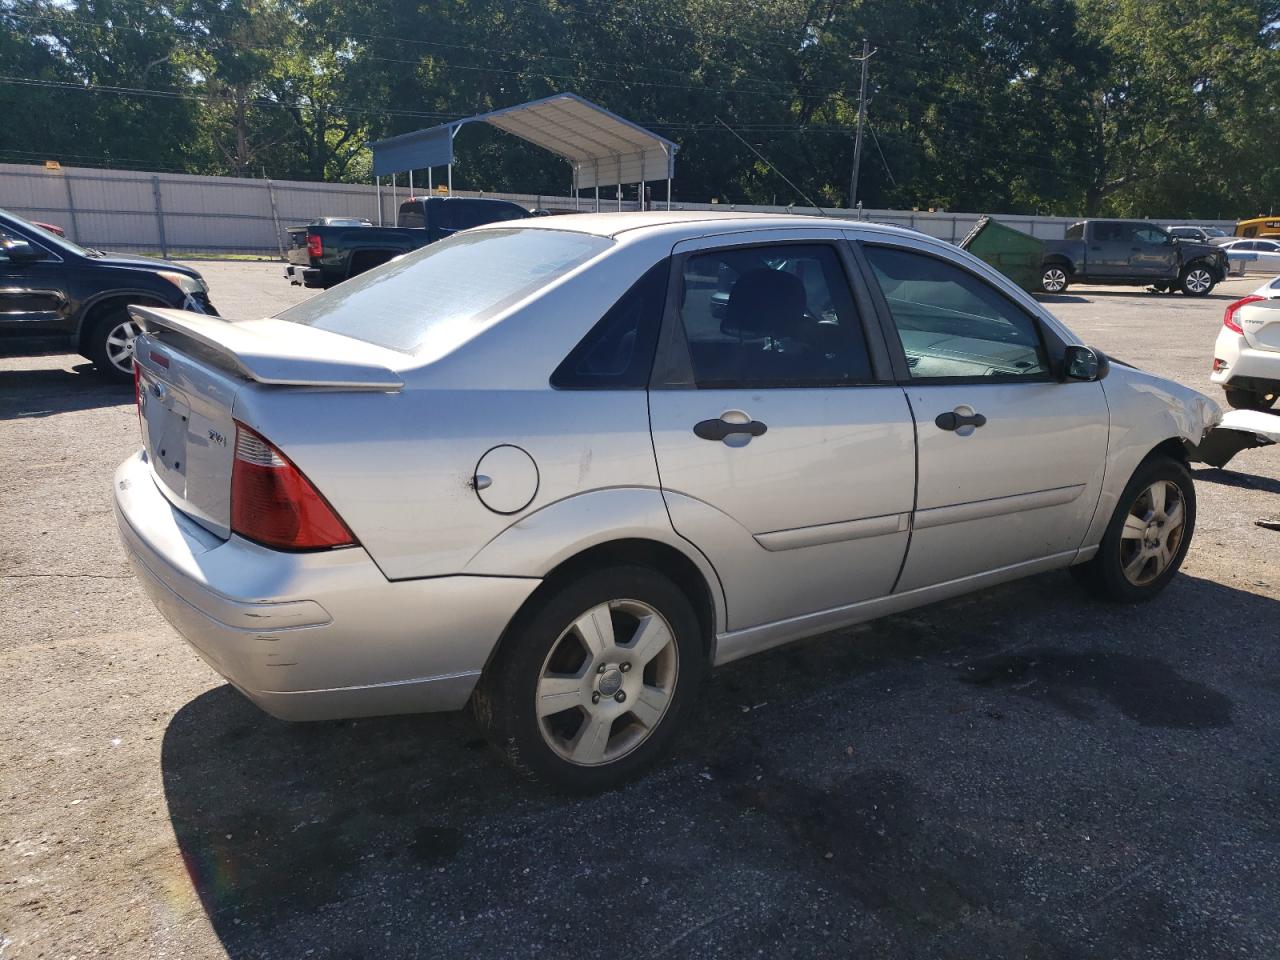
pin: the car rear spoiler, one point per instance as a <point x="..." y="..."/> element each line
<point x="274" y="351"/>
<point x="1238" y="430"/>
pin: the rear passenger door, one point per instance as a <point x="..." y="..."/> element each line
<point x="785" y="452"/>
<point x="1108" y="248"/>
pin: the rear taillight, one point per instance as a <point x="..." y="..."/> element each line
<point x="1229" y="318"/>
<point x="315" y="245"/>
<point x="273" y="504"/>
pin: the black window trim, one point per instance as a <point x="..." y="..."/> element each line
<point x="578" y="348"/>
<point x="1053" y="346"/>
<point x="673" y="364"/>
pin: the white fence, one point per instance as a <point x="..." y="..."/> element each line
<point x="176" y="214"/>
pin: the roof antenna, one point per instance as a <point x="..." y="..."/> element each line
<point x="773" y="168"/>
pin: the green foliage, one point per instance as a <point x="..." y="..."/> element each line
<point x="1162" y="108"/>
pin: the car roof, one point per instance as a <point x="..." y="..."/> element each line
<point x="682" y="224"/>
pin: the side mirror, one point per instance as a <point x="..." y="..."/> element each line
<point x="19" y="251"/>
<point x="1082" y="363"/>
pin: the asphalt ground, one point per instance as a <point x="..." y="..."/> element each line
<point x="1021" y="773"/>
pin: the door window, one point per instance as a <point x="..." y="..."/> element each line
<point x="954" y="325"/>
<point x="1107" y="232"/>
<point x="1150" y="235"/>
<point x="772" y="316"/>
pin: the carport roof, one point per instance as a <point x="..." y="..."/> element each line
<point x="602" y="147"/>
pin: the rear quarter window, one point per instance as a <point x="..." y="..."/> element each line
<point x="446" y="292"/>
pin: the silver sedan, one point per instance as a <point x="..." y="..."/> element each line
<point x="560" y="469"/>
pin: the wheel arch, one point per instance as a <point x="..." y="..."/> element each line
<point x="1058" y="260"/>
<point x="653" y="554"/>
<point x="361" y="254"/>
<point x="95" y="307"/>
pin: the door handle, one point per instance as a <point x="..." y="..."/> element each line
<point x="954" y="421"/>
<point x="720" y="429"/>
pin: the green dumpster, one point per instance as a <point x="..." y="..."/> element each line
<point x="1014" y="253"/>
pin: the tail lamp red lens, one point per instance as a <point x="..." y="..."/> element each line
<point x="273" y="504"/>
<point x="315" y="245"/>
<point x="1229" y="318"/>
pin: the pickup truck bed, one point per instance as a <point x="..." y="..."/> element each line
<point x="322" y="255"/>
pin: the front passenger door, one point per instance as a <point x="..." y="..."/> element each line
<point x="1153" y="253"/>
<point x="31" y="295"/>
<point x="1011" y="459"/>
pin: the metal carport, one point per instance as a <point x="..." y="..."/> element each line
<point x="600" y="146"/>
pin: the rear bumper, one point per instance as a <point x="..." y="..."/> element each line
<point x="1245" y="366"/>
<point x="312" y="636"/>
<point x="304" y="276"/>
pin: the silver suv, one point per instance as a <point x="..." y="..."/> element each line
<point x="560" y="469"/>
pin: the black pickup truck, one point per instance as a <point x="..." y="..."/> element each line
<point x="1130" y="252"/>
<point x="322" y="254"/>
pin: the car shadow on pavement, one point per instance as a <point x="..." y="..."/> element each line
<point x="49" y="391"/>
<point x="1234" y="478"/>
<point x="908" y="788"/>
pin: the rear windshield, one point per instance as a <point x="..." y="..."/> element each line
<point x="445" y="291"/>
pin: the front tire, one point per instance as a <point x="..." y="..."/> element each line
<point x="1054" y="278"/>
<point x="1148" y="535"/>
<point x="1239" y="399"/>
<point x="110" y="343"/>
<point x="595" y="681"/>
<point x="1197" y="280"/>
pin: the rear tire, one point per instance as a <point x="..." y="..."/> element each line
<point x="1148" y="535"/>
<point x="1239" y="399"/>
<point x="593" y="683"/>
<point x="1054" y="278"/>
<point x="110" y="343"/>
<point x="1197" y="280"/>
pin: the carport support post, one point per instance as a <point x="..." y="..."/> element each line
<point x="667" y="154"/>
<point x="378" y="191"/>
<point x="596" y="167"/>
<point x="155" y="191"/>
<point x="619" y="159"/>
<point x="410" y="184"/>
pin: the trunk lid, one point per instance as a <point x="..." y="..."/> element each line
<point x="192" y="367"/>
<point x="1260" y="322"/>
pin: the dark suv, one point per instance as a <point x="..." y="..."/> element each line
<point x="51" y="287"/>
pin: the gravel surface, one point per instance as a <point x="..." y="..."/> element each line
<point x="1019" y="773"/>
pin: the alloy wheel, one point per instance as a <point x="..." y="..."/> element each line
<point x="1152" y="532"/>
<point x="607" y="682"/>
<point x="1198" y="280"/>
<point x="119" y="342"/>
<point x="1054" y="280"/>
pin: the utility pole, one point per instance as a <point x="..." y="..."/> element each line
<point x="867" y="54"/>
